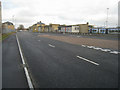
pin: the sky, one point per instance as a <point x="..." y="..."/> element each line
<point x="29" y="12"/>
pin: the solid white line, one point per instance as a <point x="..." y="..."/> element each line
<point x="87" y="60"/>
<point x="25" y="69"/>
<point x="51" y="45"/>
<point x="28" y="78"/>
<point x="20" y="50"/>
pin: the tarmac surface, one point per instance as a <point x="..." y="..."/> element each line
<point x="56" y="64"/>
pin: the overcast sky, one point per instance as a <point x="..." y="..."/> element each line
<point x="28" y="12"/>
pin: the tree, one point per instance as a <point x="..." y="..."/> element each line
<point x="21" y="27"/>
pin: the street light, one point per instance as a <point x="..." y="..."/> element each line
<point x="107" y="19"/>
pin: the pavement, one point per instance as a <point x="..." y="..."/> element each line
<point x="56" y="64"/>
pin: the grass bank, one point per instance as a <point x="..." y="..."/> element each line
<point x="4" y="36"/>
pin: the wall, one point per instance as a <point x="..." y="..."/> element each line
<point x="75" y="29"/>
<point x="83" y="28"/>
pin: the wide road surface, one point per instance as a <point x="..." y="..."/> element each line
<point x="56" y="64"/>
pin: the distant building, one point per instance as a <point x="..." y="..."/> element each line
<point x="38" y="27"/>
<point x="79" y="28"/>
<point x="53" y="27"/>
<point x="7" y="27"/>
<point x="69" y="28"/>
<point x="10" y="25"/>
<point x="0" y="19"/>
<point x="103" y="30"/>
<point x="46" y="28"/>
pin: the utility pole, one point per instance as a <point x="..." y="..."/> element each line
<point x="0" y="19"/>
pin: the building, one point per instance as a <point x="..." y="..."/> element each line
<point x="8" y="27"/>
<point x="80" y="28"/>
<point x="83" y="28"/>
<point x="69" y="28"/>
<point x="103" y="30"/>
<point x="0" y="19"/>
<point x="46" y="28"/>
<point x="53" y="27"/>
<point x="38" y="27"/>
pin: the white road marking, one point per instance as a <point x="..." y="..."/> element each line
<point x="96" y="48"/>
<point x="39" y="40"/>
<point x="88" y="60"/>
<point x="51" y="45"/>
<point x="90" y="46"/>
<point x="20" y="50"/>
<point x="114" y="52"/>
<point x="104" y="50"/>
<point x="83" y="46"/>
<point x="25" y="69"/>
<point x="28" y="78"/>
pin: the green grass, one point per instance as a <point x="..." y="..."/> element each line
<point x="4" y="36"/>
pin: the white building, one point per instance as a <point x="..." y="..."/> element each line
<point x="70" y="28"/>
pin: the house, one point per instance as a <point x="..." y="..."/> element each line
<point x="8" y="27"/>
<point x="53" y="27"/>
<point x="46" y="28"/>
<point x="38" y="27"/>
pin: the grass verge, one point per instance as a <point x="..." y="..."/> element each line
<point x="4" y="36"/>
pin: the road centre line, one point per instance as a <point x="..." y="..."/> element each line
<point x="25" y="68"/>
<point x="51" y="46"/>
<point x="88" y="60"/>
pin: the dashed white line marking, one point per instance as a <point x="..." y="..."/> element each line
<point x="114" y="52"/>
<point x="83" y="46"/>
<point x="88" y="60"/>
<point x="51" y="45"/>
<point x="90" y="46"/>
<point x="104" y="50"/>
<point x="25" y="69"/>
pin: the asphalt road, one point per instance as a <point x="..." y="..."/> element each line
<point x="55" y="64"/>
<point x="12" y="70"/>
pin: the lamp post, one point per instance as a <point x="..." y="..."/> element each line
<point x="107" y="18"/>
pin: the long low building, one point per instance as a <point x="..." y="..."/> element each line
<point x="104" y="30"/>
<point x="79" y="28"/>
<point x="41" y="27"/>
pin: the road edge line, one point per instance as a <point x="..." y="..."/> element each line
<point x="25" y="68"/>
